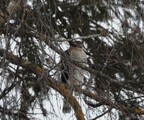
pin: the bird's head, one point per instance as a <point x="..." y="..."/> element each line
<point x="75" y="43"/>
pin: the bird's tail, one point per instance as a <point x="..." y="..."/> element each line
<point x="66" y="107"/>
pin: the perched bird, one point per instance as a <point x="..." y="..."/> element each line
<point x="72" y="74"/>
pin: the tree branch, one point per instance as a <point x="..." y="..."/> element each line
<point x="52" y="83"/>
<point x="66" y="92"/>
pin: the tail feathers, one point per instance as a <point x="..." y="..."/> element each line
<point x="66" y="107"/>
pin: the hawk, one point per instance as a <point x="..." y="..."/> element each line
<point x="71" y="73"/>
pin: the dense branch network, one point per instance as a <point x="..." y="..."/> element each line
<point x="64" y="91"/>
<point x="115" y="57"/>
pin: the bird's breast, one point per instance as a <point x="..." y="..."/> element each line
<point x="78" y="55"/>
